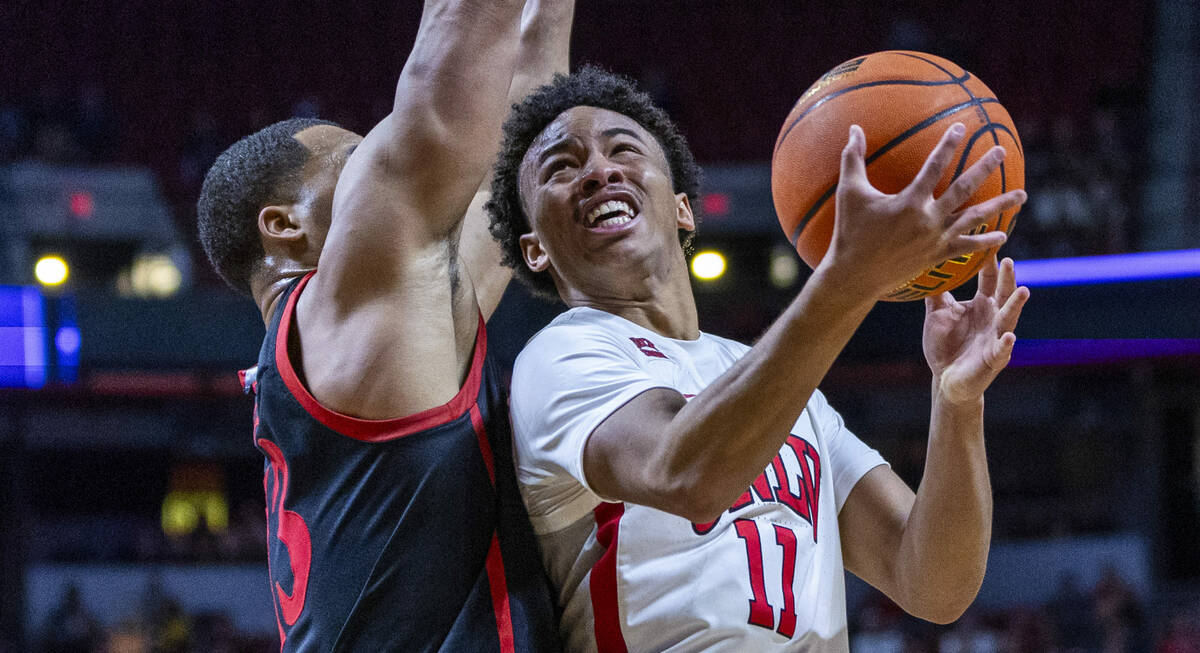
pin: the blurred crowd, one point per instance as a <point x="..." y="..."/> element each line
<point x="142" y="539"/>
<point x="1083" y="190"/>
<point x="1080" y="172"/>
<point x="158" y="625"/>
<point x="1106" y="618"/>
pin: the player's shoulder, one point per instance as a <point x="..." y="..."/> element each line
<point x="577" y="337"/>
<point x="819" y="405"/>
<point x="576" y="327"/>
<point x="733" y="347"/>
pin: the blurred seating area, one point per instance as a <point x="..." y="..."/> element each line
<point x="1080" y="119"/>
<point x="141" y="492"/>
<point x="1104" y="617"/>
<point x="1107" y="617"/>
<point x="158" y="625"/>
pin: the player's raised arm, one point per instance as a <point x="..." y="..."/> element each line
<point x="388" y="322"/>
<point x="545" y="51"/>
<point x="407" y="186"/>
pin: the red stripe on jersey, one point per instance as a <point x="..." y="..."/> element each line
<point x="499" y="585"/>
<point x="376" y="430"/>
<point x="485" y="447"/>
<point x="497" y="580"/>
<point x="605" y="609"/>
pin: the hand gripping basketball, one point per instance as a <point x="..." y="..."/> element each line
<point x="885" y="240"/>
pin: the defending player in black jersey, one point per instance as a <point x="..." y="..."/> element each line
<point x="393" y="517"/>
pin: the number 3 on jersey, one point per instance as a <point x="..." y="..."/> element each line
<point x="761" y="612"/>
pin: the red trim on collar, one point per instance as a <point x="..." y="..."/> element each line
<point x="376" y="430"/>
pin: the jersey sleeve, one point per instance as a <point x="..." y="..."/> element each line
<point x="566" y="381"/>
<point x="850" y="458"/>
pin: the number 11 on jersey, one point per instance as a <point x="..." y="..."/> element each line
<point x="761" y="612"/>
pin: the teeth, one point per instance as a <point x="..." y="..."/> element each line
<point x="609" y="207"/>
<point x="612" y="222"/>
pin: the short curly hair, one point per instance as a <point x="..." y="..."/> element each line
<point x="593" y="87"/>
<point x="260" y="169"/>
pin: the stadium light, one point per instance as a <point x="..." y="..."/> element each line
<point x="51" y="270"/>
<point x="155" y="275"/>
<point x="708" y="265"/>
<point x="784" y="267"/>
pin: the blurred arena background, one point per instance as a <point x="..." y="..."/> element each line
<point x="131" y="501"/>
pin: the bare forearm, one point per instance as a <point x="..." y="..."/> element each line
<point x="461" y="41"/>
<point x="730" y="432"/>
<point x="450" y="101"/>
<point x="545" y="45"/>
<point x="944" y="548"/>
<point x="544" y="51"/>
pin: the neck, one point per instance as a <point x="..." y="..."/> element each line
<point x="663" y="305"/>
<point x="267" y="287"/>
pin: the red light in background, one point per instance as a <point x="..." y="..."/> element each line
<point x="715" y="204"/>
<point x="82" y="205"/>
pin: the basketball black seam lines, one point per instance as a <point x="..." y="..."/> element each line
<point x="886" y="147"/>
<point x="961" y="81"/>
<point x="882" y="82"/>
<point x="990" y="128"/>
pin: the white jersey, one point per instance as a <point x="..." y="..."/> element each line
<point x="766" y="576"/>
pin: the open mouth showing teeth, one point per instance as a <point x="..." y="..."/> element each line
<point x="610" y="214"/>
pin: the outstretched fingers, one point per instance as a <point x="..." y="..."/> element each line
<point x="854" y="166"/>
<point x="1007" y="281"/>
<point x="968" y="243"/>
<point x="970" y="180"/>
<point x="977" y="214"/>
<point x="988" y="275"/>
<point x="1010" y="311"/>
<point x="938" y="301"/>
<point x="1001" y="352"/>
<point x="938" y="161"/>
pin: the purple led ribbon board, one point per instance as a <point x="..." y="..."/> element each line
<point x="1029" y="353"/>
<point x="1114" y="268"/>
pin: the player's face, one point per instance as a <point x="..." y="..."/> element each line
<point x="598" y="190"/>
<point x="330" y="147"/>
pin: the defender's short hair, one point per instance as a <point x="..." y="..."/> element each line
<point x="593" y="87"/>
<point x="260" y="169"/>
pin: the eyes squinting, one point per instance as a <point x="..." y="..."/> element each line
<point x="558" y="163"/>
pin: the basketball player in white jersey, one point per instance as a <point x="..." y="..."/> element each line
<point x="691" y="493"/>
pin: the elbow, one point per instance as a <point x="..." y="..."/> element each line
<point x="694" y="500"/>
<point x="941" y="607"/>
<point x="942" y="614"/>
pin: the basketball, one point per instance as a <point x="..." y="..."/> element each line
<point x="904" y="101"/>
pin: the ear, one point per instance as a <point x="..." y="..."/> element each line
<point x="278" y="223"/>
<point x="531" y="249"/>
<point x="684" y="218"/>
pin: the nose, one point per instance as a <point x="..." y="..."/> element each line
<point x="600" y="173"/>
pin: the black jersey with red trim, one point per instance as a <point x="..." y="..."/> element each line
<point x="395" y="535"/>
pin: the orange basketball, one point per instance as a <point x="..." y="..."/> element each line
<point x="904" y="101"/>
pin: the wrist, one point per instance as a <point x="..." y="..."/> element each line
<point x="947" y="398"/>
<point x="845" y="279"/>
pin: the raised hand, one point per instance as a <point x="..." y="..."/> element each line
<point x="967" y="343"/>
<point x="884" y="240"/>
